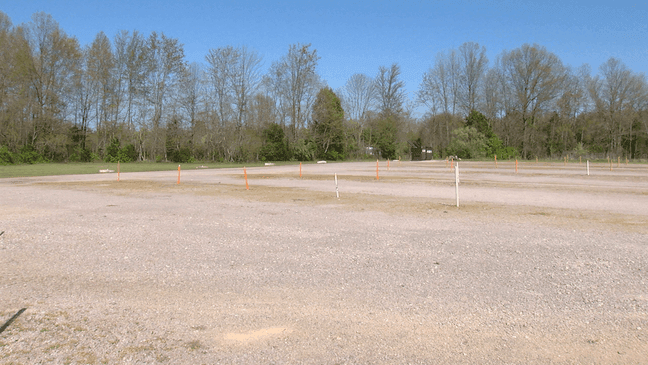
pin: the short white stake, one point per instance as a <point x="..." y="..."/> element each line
<point x="587" y="167"/>
<point x="457" y="183"/>
<point x="337" y="192"/>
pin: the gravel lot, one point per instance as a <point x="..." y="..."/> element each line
<point x="546" y="266"/>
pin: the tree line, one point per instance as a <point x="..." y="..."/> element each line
<point x="134" y="98"/>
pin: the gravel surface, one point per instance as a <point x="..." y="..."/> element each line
<point x="545" y="266"/>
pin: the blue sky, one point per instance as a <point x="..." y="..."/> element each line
<point x="359" y="36"/>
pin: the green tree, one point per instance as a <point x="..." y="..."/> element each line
<point x="6" y="157"/>
<point x="275" y="147"/>
<point x="386" y="137"/>
<point x="328" y="126"/>
<point x="112" y="151"/>
<point x="480" y="122"/>
<point x="468" y="143"/>
<point x="494" y="145"/>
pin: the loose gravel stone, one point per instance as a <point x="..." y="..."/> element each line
<point x="545" y="266"/>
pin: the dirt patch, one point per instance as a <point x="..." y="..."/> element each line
<point x="257" y="335"/>
<point x="395" y="205"/>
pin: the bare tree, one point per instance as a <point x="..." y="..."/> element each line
<point x="166" y="65"/>
<point x="293" y="82"/>
<point x="191" y="95"/>
<point x="131" y="57"/>
<point x="390" y="90"/>
<point x="490" y="94"/>
<point x="15" y="75"/>
<point x="616" y="93"/>
<point x="55" y="60"/>
<point x="535" y="79"/>
<point x="235" y="77"/>
<point x="473" y="64"/>
<point x="439" y="91"/>
<point x="440" y="87"/>
<point x="358" y="96"/>
<point x="221" y="63"/>
<point x="245" y="81"/>
<point x="99" y="80"/>
<point x="561" y="128"/>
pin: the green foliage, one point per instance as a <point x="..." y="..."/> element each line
<point x="81" y="154"/>
<point x="6" y="157"/>
<point x="275" y="147"/>
<point x="183" y="155"/>
<point x="112" y="151"/>
<point x="494" y="145"/>
<point x="127" y="153"/>
<point x="29" y="155"/>
<point x="496" y="148"/>
<point x="328" y="126"/>
<point x="468" y="143"/>
<point x="386" y="134"/>
<point x="480" y="123"/>
<point x="579" y="150"/>
<point x="304" y="150"/>
<point x="116" y="154"/>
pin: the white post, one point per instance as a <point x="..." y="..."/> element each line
<point x="337" y="192"/>
<point x="587" y="167"/>
<point x="457" y="183"/>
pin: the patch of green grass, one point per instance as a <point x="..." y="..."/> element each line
<point x="81" y="168"/>
<point x="51" y="169"/>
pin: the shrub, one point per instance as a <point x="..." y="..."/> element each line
<point x="82" y="155"/>
<point x="181" y="156"/>
<point x="275" y="147"/>
<point x="127" y="154"/>
<point x="29" y="155"/>
<point x="112" y="151"/>
<point x="6" y="157"/>
<point x="468" y="143"/>
<point x="304" y="150"/>
<point x="116" y="154"/>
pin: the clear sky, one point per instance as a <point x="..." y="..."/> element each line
<point x="359" y="36"/>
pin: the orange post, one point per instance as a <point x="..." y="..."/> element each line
<point x="516" y="165"/>
<point x="377" y="165"/>
<point x="247" y="187"/>
<point x="178" y="174"/>
<point x="387" y="164"/>
<point x="452" y="164"/>
<point x="495" y="161"/>
<point x="300" y="175"/>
